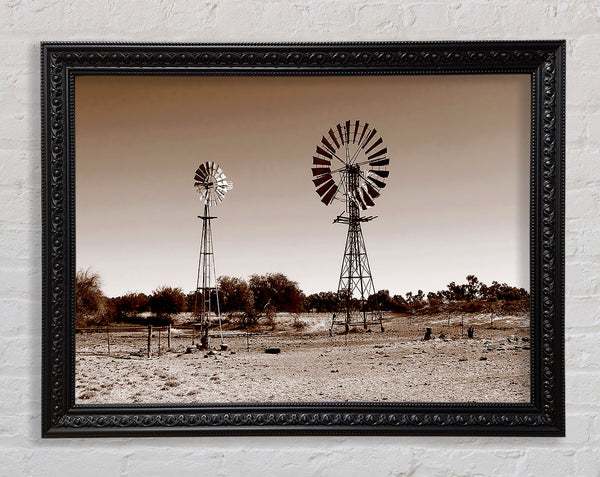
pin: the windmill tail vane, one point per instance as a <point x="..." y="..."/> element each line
<point x="350" y="164"/>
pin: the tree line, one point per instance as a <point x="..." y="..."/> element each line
<point x="246" y="301"/>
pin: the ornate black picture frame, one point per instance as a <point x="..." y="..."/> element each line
<point x="544" y="61"/>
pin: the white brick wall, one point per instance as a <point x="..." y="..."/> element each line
<point x="24" y="23"/>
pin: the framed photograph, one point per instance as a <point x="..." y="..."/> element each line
<point x="350" y="238"/>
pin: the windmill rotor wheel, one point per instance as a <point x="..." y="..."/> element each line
<point x="351" y="148"/>
<point x="211" y="183"/>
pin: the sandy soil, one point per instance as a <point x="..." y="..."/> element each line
<point x="396" y="365"/>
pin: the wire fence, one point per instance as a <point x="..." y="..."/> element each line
<point x="149" y="341"/>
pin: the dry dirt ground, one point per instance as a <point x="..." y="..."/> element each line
<point x="396" y="365"/>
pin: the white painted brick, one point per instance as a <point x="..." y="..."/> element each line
<point x="581" y="90"/>
<point x="576" y="128"/>
<point x="38" y="16"/>
<point x="585" y="49"/>
<point x="578" y="428"/>
<point x="582" y="168"/>
<point x="88" y="462"/>
<point x="547" y="462"/>
<point x="591" y="241"/>
<point x="143" y="463"/>
<point x="584" y="277"/>
<point x="14" y="390"/>
<point x="581" y="311"/>
<point x="587" y="462"/>
<point x="582" y="203"/>
<point x="20" y="205"/>
<point x="593" y="129"/>
<point x="15" y="463"/>
<point x="582" y="389"/>
<point x="332" y="15"/>
<point x="15" y="252"/>
<point x="431" y="16"/>
<point x="202" y="13"/>
<point x="482" y="14"/>
<point x="17" y="352"/>
<point x="89" y="14"/>
<point x="379" y="17"/>
<point x="465" y="461"/>
<point x="581" y="351"/>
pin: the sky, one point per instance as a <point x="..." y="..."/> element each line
<point x="456" y="203"/>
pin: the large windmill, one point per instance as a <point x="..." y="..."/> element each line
<point x="212" y="185"/>
<point x="350" y="165"/>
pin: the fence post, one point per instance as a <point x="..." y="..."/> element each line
<point x="108" y="339"/>
<point x="169" y="337"/>
<point x="159" y="341"/>
<point x="462" y="326"/>
<point x="149" y="338"/>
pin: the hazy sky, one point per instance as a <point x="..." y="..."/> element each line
<point x="456" y="201"/>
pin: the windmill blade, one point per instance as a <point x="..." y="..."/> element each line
<point x="377" y="182"/>
<point x="357" y="198"/>
<point x="321" y="162"/>
<point x="332" y="135"/>
<point x="374" y="193"/>
<point x="323" y="152"/>
<point x="375" y="144"/>
<point x="367" y="198"/>
<point x="327" y="144"/>
<point x="362" y="134"/>
<point x="380" y="162"/>
<point x="369" y="137"/>
<point x="378" y="153"/>
<point x="355" y="131"/>
<point x="328" y="197"/>
<point x="317" y="171"/>
<point x="320" y="180"/>
<point x="339" y="128"/>
<point x="325" y="187"/>
<point x="347" y="132"/>
<point x="380" y="173"/>
<point x="202" y="171"/>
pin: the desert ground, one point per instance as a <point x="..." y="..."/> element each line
<point x="312" y="366"/>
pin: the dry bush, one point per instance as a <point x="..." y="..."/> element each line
<point x="270" y="318"/>
<point x="298" y="324"/>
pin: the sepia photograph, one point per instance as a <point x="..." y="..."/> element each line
<point x="265" y="239"/>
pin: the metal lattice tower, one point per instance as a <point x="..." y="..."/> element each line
<point x="356" y="282"/>
<point x="211" y="184"/>
<point x="350" y="164"/>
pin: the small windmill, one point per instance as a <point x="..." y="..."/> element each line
<point x="350" y="165"/>
<point x="212" y="185"/>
